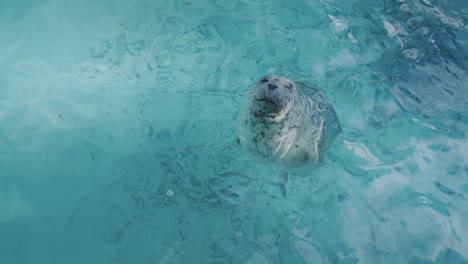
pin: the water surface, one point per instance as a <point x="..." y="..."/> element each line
<point x="117" y="121"/>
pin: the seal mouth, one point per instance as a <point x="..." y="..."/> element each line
<point x="271" y="103"/>
<point x="268" y="108"/>
<point x="267" y="100"/>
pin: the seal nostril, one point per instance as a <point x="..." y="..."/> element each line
<point x="272" y="86"/>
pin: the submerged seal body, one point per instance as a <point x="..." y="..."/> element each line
<point x="287" y="123"/>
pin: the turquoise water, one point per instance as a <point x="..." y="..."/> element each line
<point x="117" y="121"/>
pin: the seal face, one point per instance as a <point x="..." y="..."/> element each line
<point x="272" y="97"/>
<point x="287" y="123"/>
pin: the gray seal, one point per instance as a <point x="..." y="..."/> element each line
<point x="287" y="123"/>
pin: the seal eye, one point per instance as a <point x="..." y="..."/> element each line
<point x="263" y="80"/>
<point x="289" y="86"/>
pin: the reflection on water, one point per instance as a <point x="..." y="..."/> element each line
<point x="117" y="125"/>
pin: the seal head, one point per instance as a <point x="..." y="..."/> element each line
<point x="272" y="97"/>
<point x="287" y="123"/>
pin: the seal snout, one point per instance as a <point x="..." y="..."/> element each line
<point x="272" y="86"/>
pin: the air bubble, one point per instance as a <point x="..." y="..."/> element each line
<point x="424" y="200"/>
<point x="412" y="53"/>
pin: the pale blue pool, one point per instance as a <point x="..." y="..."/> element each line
<point x="117" y="123"/>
